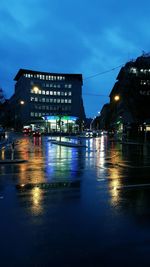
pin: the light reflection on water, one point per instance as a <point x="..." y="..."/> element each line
<point x="83" y="222"/>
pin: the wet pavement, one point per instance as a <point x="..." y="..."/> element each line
<point x="69" y="206"/>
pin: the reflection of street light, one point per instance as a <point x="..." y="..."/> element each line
<point x="116" y="97"/>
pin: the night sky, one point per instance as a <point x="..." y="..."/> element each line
<point x="73" y="36"/>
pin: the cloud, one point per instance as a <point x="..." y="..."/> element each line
<point x="72" y="36"/>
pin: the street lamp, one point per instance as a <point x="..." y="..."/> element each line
<point x="116" y="97"/>
<point x="21" y="102"/>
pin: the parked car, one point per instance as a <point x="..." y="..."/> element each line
<point x="26" y="131"/>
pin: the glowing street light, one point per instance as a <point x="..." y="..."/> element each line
<point x="116" y="97"/>
<point x="21" y="102"/>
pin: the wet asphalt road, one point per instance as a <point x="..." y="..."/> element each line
<point x="77" y="206"/>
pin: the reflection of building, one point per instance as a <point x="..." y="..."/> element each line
<point x="130" y="99"/>
<point x="41" y="94"/>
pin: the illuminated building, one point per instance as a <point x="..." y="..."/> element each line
<point x="41" y="95"/>
<point x="130" y="100"/>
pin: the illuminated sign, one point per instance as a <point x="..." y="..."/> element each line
<point x="64" y="118"/>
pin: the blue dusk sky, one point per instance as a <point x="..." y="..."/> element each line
<point x="73" y="36"/>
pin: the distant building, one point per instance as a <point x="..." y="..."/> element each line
<point x="42" y="98"/>
<point x="130" y="99"/>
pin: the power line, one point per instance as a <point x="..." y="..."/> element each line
<point x="103" y="72"/>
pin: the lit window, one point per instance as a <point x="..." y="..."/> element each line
<point x="66" y="101"/>
<point x="58" y="100"/>
<point x="36" y="114"/>
<point x="55" y="93"/>
<point x="47" y="92"/>
<point x="32" y="114"/>
<point x="54" y="100"/>
<point x="47" y="100"/>
<point x="62" y="100"/>
<point x="70" y="85"/>
<point x="69" y="93"/>
<point x="51" y="92"/>
<point x="36" y="99"/>
<point x="65" y="93"/>
<point x="69" y="101"/>
<point x="43" y="99"/>
<point x="58" y="93"/>
<point x="32" y="98"/>
<point x="43" y="92"/>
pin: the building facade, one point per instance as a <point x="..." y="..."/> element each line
<point x="130" y="100"/>
<point x="42" y="99"/>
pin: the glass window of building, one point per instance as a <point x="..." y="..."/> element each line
<point x="43" y="92"/>
<point x="62" y="100"/>
<point x="66" y="100"/>
<point x="32" y="114"/>
<point x="32" y="98"/>
<point x="51" y="92"/>
<point x="58" y="93"/>
<point x="55" y="93"/>
<point x="43" y="99"/>
<point x="47" y="92"/>
<point x="47" y="100"/>
<point x="36" y="99"/>
<point x="69" y="93"/>
<point x="58" y="100"/>
<point x="69" y="101"/>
